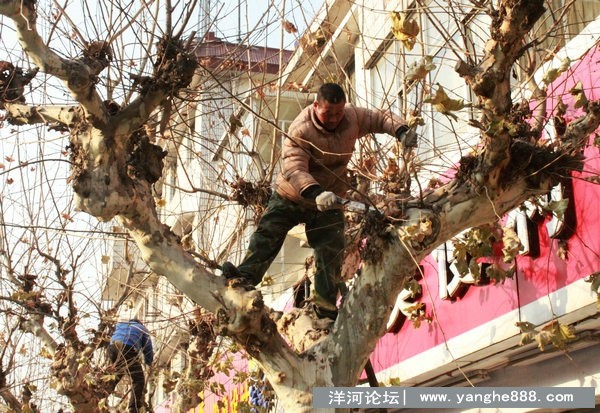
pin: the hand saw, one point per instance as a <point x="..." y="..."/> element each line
<point x="355" y="206"/>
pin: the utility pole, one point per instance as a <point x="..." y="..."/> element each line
<point x="204" y="16"/>
<point x="239" y="21"/>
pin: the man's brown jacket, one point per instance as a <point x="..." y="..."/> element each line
<point x="312" y="155"/>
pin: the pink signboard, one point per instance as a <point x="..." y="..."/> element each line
<point x="536" y="276"/>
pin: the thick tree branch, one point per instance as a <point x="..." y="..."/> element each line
<point x="35" y="326"/>
<point x="293" y="376"/>
<point x="78" y="76"/>
<point x="490" y="80"/>
<point x="60" y="117"/>
<point x="115" y="165"/>
<point x="162" y="251"/>
<point x="239" y="313"/>
<point x="174" y="69"/>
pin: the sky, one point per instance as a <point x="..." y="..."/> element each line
<point x="262" y="18"/>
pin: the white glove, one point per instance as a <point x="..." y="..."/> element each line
<point x="325" y="200"/>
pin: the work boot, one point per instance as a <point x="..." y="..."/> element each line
<point x="323" y="307"/>
<point x="322" y="319"/>
<point x="235" y="278"/>
<point x="325" y="313"/>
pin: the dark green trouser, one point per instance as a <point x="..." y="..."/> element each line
<point x="325" y="234"/>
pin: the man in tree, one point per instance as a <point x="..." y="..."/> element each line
<point x="315" y="154"/>
<point x="127" y="341"/>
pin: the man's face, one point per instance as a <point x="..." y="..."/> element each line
<point x="329" y="114"/>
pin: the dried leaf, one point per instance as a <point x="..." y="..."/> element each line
<point x="417" y="314"/>
<point x="295" y="86"/>
<point x="434" y="183"/>
<point x="578" y="92"/>
<point x="267" y="281"/>
<point x="88" y="379"/>
<point x="511" y="245"/>
<point x="498" y="274"/>
<point x="594" y="280"/>
<point x="415" y="121"/>
<point x="562" y="250"/>
<point x="67" y="217"/>
<point x="414" y="287"/>
<point x="368" y="164"/>
<point x="567" y="332"/>
<point x="414" y="308"/>
<point x="312" y="41"/>
<point x="395" y="381"/>
<point x="474" y="270"/>
<point x="443" y="104"/>
<point x="161" y="202"/>
<point x="542" y="339"/>
<point x="309" y="41"/>
<point x="108" y="377"/>
<point x="289" y="27"/>
<point x="526" y="338"/>
<point x="426" y="227"/>
<point x="557" y="334"/>
<point x="561" y="107"/>
<point x="558" y="208"/>
<point x="552" y="74"/>
<point x="525" y="326"/>
<point x="554" y="333"/>
<point x="416" y="233"/>
<point x="528" y="332"/>
<point x="245" y="132"/>
<point x="45" y="353"/>
<point x="404" y="29"/>
<point x="418" y="70"/>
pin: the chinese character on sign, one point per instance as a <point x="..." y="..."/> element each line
<point x="391" y="397"/>
<point x="354" y="397"/>
<point x="372" y="398"/>
<point x="337" y="397"/>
